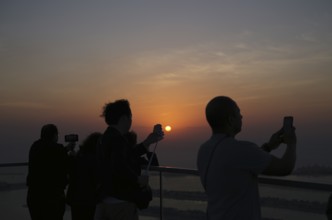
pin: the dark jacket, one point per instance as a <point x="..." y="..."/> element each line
<point x="118" y="169"/>
<point x="48" y="166"/>
<point x="82" y="181"/>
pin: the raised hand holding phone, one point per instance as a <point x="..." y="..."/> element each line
<point x="281" y="136"/>
<point x="159" y="134"/>
<point x="158" y="129"/>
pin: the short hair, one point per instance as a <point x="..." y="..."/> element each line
<point x="218" y="110"/>
<point x="113" y="111"/>
<point x="48" y="132"/>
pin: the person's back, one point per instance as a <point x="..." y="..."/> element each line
<point x="81" y="193"/>
<point x="120" y="187"/>
<point x="47" y="176"/>
<point x="230" y="179"/>
<point x="47" y="166"/>
<point x="117" y="173"/>
<point x="82" y="182"/>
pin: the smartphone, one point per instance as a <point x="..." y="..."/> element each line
<point x="158" y="129"/>
<point x="71" y="138"/>
<point x="288" y="123"/>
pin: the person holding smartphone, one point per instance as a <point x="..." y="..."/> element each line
<point x="229" y="167"/>
<point x="119" y="179"/>
<point x="47" y="175"/>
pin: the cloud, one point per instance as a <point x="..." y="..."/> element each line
<point x="182" y="64"/>
<point x="242" y="46"/>
<point x="24" y="104"/>
<point x="308" y="37"/>
<point x="259" y="70"/>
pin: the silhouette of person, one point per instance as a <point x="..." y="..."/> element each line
<point x="47" y="176"/>
<point x="119" y="181"/>
<point x="229" y="167"/>
<point x="81" y="193"/>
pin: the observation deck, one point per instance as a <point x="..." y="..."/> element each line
<point x="178" y="194"/>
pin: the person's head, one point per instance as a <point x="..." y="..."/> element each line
<point x="89" y="145"/>
<point x="223" y="115"/>
<point x="118" y="114"/>
<point x="49" y="132"/>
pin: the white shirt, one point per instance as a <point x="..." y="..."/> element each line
<point x="231" y="180"/>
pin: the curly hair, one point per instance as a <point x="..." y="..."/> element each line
<point x="113" y="111"/>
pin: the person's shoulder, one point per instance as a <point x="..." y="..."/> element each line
<point x="111" y="132"/>
<point x="108" y="134"/>
<point x="206" y="145"/>
<point x="36" y="145"/>
<point x="112" y="137"/>
<point x="59" y="145"/>
<point x="244" y="143"/>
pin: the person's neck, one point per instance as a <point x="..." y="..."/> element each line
<point x="227" y="132"/>
<point x="119" y="128"/>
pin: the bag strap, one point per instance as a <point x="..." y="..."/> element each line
<point x="210" y="158"/>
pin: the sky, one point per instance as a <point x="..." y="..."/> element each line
<point x="61" y="61"/>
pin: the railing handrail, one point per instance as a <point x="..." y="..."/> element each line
<point x="14" y="164"/>
<point x="262" y="179"/>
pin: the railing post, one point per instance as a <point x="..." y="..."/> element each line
<point x="161" y="194"/>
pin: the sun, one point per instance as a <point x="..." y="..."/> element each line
<point x="168" y="128"/>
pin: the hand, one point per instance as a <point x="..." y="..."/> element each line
<point x="143" y="181"/>
<point x="71" y="153"/>
<point x="153" y="138"/>
<point x="70" y="146"/>
<point x="275" y="140"/>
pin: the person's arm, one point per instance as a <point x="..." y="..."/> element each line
<point x="283" y="166"/>
<point x="143" y="147"/>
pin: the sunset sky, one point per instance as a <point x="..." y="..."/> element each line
<point x="61" y="61"/>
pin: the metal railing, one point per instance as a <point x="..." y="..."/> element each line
<point x="13" y="164"/>
<point x="262" y="179"/>
<point x="307" y="185"/>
